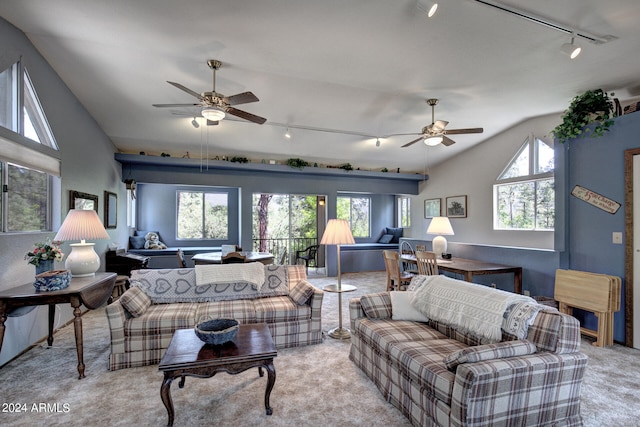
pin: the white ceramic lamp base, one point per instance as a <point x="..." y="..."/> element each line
<point x="439" y="244"/>
<point x="83" y="260"/>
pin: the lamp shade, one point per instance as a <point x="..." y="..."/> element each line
<point x="81" y="225"/>
<point x="440" y="225"/>
<point x="337" y="232"/>
<point x="213" y="114"/>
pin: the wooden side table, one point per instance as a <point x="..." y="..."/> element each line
<point x="340" y="333"/>
<point x="91" y="291"/>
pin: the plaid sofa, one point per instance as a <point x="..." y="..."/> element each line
<point x="142" y="321"/>
<point x="439" y="376"/>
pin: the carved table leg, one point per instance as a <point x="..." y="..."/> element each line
<point x="165" y="394"/>
<point x="260" y="371"/>
<point x="77" y="326"/>
<point x="3" y="318"/>
<point x="271" y="380"/>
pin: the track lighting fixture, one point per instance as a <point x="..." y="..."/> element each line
<point x="432" y="10"/>
<point x="195" y="123"/>
<point x="287" y="134"/>
<point x="429" y="8"/>
<point x="571" y="49"/>
<point x="377" y="142"/>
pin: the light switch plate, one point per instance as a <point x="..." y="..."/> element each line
<point x="617" y="237"/>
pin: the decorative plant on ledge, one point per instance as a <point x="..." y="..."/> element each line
<point x="297" y="163"/>
<point x="593" y="106"/>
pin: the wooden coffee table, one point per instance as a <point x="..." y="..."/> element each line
<point x="188" y="356"/>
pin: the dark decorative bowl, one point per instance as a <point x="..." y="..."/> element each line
<point x="53" y="280"/>
<point x="217" y="331"/>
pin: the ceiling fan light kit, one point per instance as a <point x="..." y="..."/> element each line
<point x="432" y="141"/>
<point x="213" y="114"/>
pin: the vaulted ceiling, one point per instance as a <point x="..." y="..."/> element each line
<point x="353" y="70"/>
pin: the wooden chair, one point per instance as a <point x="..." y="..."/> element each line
<point x="427" y="263"/>
<point x="406" y="249"/>
<point x="234" y="258"/>
<point x="181" y="262"/>
<point x="308" y="255"/>
<point x="396" y="280"/>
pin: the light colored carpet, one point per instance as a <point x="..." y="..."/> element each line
<point x="315" y="385"/>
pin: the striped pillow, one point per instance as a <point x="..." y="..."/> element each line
<point x="135" y="301"/>
<point x="301" y="293"/>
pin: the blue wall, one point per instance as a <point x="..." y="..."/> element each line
<point x="598" y="165"/>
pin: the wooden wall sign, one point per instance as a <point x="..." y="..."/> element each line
<point x="595" y="199"/>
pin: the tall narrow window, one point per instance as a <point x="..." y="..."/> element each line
<point x="202" y="215"/>
<point x="404" y="212"/>
<point x="524" y="193"/>
<point x="357" y="212"/>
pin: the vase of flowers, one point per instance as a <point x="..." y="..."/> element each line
<point x="44" y="254"/>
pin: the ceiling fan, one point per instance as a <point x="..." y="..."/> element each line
<point x="215" y="105"/>
<point x="435" y="133"/>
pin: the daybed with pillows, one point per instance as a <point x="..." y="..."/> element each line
<point x="452" y="353"/>
<point x="143" y="320"/>
<point x="368" y="256"/>
<point x="164" y="258"/>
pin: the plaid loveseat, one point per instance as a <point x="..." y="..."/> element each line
<point x="439" y="376"/>
<point x="142" y="321"/>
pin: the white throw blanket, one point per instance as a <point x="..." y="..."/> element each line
<point x="467" y="306"/>
<point x="252" y="272"/>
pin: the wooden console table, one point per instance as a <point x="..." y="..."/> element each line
<point x="469" y="268"/>
<point x="93" y="292"/>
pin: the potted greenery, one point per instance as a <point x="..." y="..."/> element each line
<point x="297" y="163"/>
<point x="593" y="106"/>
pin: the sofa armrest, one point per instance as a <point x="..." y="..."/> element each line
<point x="541" y="386"/>
<point x="116" y="315"/>
<point x="355" y="312"/>
<point x="480" y="353"/>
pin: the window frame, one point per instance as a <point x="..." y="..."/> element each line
<point x="204" y="217"/>
<point x="404" y="211"/>
<point x="350" y="219"/>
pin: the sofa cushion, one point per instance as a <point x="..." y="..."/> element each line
<point x="280" y="309"/>
<point x="135" y="301"/>
<point x="377" y="306"/>
<point x="380" y="333"/>
<point x="155" y="328"/>
<point x="499" y="350"/>
<point x="402" y="309"/>
<point x="242" y="310"/>
<point x="301" y="293"/>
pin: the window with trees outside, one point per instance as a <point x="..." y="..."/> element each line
<point x="404" y="212"/>
<point x="29" y="162"/>
<point x="202" y="215"/>
<point x="524" y="197"/>
<point x="357" y="212"/>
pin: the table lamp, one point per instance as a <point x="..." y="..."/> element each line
<point x="82" y="225"/>
<point x="440" y="225"/>
<point x="338" y="233"/>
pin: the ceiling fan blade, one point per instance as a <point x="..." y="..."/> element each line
<point x="186" y="89"/>
<point x="461" y="131"/>
<point x="241" y="98"/>
<point x="175" y="105"/>
<point x="439" y="125"/>
<point x="245" y="115"/>
<point x="413" y="142"/>
<point x="447" y="141"/>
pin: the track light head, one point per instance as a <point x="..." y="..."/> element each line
<point x="377" y="142"/>
<point x="571" y="49"/>
<point x="195" y="123"/>
<point x="287" y="134"/>
<point x="432" y="10"/>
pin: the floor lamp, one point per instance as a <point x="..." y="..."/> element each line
<point x="338" y="232"/>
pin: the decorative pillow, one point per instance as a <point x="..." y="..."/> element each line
<point x="301" y="293"/>
<point x="145" y="232"/>
<point x="297" y="273"/>
<point x="396" y="233"/>
<point x="402" y="309"/>
<point x="276" y="281"/>
<point x="480" y="353"/>
<point x="135" y="301"/>
<point x="386" y="238"/>
<point x="136" y="242"/>
<point x="376" y="306"/>
<point x="418" y="282"/>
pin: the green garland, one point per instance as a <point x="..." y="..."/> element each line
<point x="593" y="106"/>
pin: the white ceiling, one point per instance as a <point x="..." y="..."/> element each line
<point x="363" y="66"/>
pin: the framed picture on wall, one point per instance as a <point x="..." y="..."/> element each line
<point x="110" y="209"/>
<point x="456" y="207"/>
<point x="85" y="201"/>
<point x="431" y="208"/>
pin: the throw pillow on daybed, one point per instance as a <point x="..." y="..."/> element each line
<point x="135" y="301"/>
<point x="402" y="309"/>
<point x="136" y="242"/>
<point x="386" y="238"/>
<point x="395" y="232"/>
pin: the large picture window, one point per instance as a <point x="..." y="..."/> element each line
<point x="357" y="212"/>
<point x="202" y="215"/>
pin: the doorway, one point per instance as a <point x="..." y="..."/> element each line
<point x="632" y="248"/>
